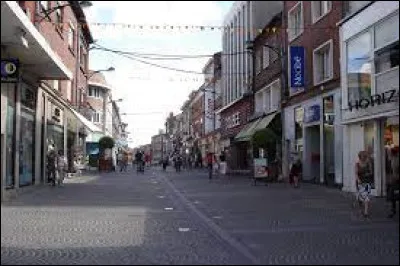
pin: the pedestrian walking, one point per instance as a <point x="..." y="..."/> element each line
<point x="209" y="159"/>
<point x="222" y="163"/>
<point x="51" y="165"/>
<point x="364" y="175"/>
<point x="295" y="173"/>
<point x="62" y="167"/>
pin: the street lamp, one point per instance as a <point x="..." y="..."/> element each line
<point x="90" y="74"/>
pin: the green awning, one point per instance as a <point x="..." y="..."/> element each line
<point x="248" y="131"/>
<point x="265" y="122"/>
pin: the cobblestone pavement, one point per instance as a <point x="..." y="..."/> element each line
<point x="170" y="218"/>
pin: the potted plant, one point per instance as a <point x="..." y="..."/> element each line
<point x="106" y="143"/>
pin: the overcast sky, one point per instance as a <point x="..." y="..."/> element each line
<point x="148" y="89"/>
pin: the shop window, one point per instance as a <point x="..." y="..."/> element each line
<point x="359" y="67"/>
<point x="10" y="137"/>
<point x="369" y="139"/>
<point x="298" y="134"/>
<point x="391" y="139"/>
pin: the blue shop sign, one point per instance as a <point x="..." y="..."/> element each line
<point x="312" y="114"/>
<point x="9" y="70"/>
<point x="296" y="69"/>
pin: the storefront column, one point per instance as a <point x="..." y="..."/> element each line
<point x="44" y="137"/>
<point x="38" y="137"/>
<point x="65" y="127"/>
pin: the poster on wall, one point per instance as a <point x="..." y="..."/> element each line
<point x="297" y="58"/>
<point x="312" y="113"/>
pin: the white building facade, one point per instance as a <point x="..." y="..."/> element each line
<point x="370" y="91"/>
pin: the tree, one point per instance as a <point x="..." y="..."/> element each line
<point x="268" y="139"/>
<point x="106" y="142"/>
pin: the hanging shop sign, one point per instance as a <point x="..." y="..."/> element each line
<point x="297" y="64"/>
<point x="375" y="99"/>
<point x="9" y="70"/>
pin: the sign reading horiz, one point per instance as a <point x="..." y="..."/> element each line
<point x="375" y="99"/>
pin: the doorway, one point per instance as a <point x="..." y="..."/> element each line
<point x="312" y="156"/>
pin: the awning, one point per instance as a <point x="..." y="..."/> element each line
<point x="35" y="55"/>
<point x="89" y="125"/>
<point x="265" y="121"/>
<point x="248" y="131"/>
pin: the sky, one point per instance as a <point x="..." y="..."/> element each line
<point x="147" y="90"/>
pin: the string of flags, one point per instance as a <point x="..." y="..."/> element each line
<point x="165" y="27"/>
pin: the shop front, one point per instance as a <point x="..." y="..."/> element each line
<point x="370" y="80"/>
<point x="313" y="135"/>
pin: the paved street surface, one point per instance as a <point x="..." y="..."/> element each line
<point x="182" y="218"/>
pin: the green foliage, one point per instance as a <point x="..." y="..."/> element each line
<point x="106" y="142"/>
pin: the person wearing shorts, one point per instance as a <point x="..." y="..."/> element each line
<point x="364" y="175"/>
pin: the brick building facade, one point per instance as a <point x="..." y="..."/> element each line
<point x="312" y="114"/>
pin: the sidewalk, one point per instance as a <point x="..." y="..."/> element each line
<point x="308" y="196"/>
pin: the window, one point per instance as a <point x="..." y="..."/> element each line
<point x="387" y="31"/>
<point x="259" y="60"/>
<point x="259" y="102"/>
<point x="387" y="58"/>
<point x="95" y="92"/>
<point x="320" y="9"/>
<point x="44" y="5"/>
<point x="295" y="18"/>
<point x="323" y="63"/>
<point x="59" y="16"/>
<point x="69" y="90"/>
<point x="97" y="117"/>
<point x="57" y="85"/>
<point x="298" y="134"/>
<point x="265" y="99"/>
<point x="359" y="67"/>
<point x="265" y="57"/>
<point x="71" y="36"/>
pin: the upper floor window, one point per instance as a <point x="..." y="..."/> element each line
<point x="320" y="9"/>
<point x="59" y="15"/>
<point x="44" y="5"/>
<point x="323" y="63"/>
<point x="266" y="99"/>
<point x="350" y="7"/>
<point x="295" y="21"/>
<point x="359" y="67"/>
<point x="71" y="36"/>
<point x="97" y="117"/>
<point x="68" y="90"/>
<point x="95" y="92"/>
